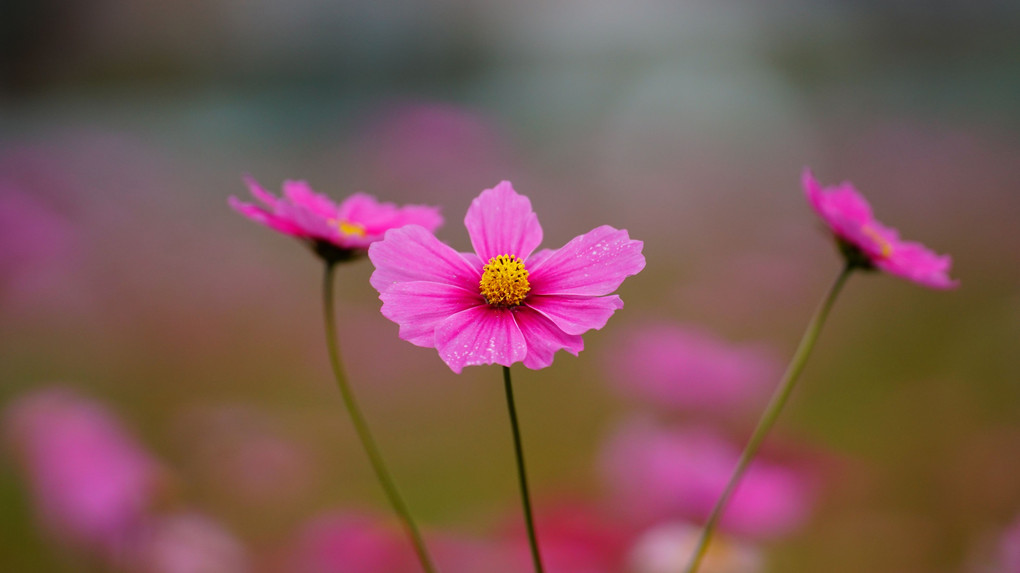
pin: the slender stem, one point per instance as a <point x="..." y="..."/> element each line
<point x="768" y="419"/>
<point x="522" y="477"/>
<point x="362" y="427"/>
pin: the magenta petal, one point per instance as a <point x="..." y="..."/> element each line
<point x="301" y="194"/>
<point x="260" y="215"/>
<point x="544" y="338"/>
<point x="576" y="315"/>
<point x="480" y="335"/>
<point x="376" y="218"/>
<point x="592" y="264"/>
<point x="412" y="253"/>
<point x="501" y="222"/>
<point x="850" y="218"/>
<point x="261" y="194"/>
<point x="915" y="262"/>
<point x="418" y="307"/>
<point x="537" y="257"/>
<point x="842" y="202"/>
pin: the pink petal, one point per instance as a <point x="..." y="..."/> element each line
<point x="412" y="253"/>
<point x="419" y="307"/>
<point x="260" y="215"/>
<point x="377" y="218"/>
<point x="480" y="335"/>
<point x="544" y="338"/>
<point x="915" y="262"/>
<point x="682" y="367"/>
<point x="843" y="202"/>
<point x="361" y="208"/>
<point x="576" y="315"/>
<point x="261" y="194"/>
<point x="538" y="256"/>
<point x="849" y="216"/>
<point x="475" y="262"/>
<point x="592" y="264"/>
<point x="302" y="195"/>
<point x="501" y="222"/>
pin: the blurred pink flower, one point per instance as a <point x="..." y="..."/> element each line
<point x="335" y="232"/>
<point x="1009" y="550"/>
<point x="350" y="543"/>
<point x="686" y="368"/>
<point x="187" y="543"/>
<point x="92" y="483"/>
<point x="870" y="244"/>
<point x="458" y="554"/>
<point x="504" y="303"/>
<point x="347" y="542"/>
<point x="667" y="548"/>
<point x="660" y="473"/>
<point x="239" y="450"/>
<point x="37" y="248"/>
<point x="438" y="146"/>
<point x="573" y="539"/>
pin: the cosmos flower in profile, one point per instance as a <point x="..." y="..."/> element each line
<point x="506" y="302"/>
<point x="335" y="232"/>
<point x="868" y="243"/>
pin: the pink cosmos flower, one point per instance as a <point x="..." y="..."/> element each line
<point x="504" y="303"/>
<point x="661" y="473"/>
<point x="667" y="548"/>
<point x="870" y="244"/>
<point x="685" y="367"/>
<point x="187" y="542"/>
<point x="349" y="543"/>
<point x="335" y="232"/>
<point x="574" y="538"/>
<point x="92" y="483"/>
<point x="1009" y="549"/>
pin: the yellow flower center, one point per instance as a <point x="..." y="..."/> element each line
<point x="883" y="245"/>
<point x="348" y="229"/>
<point x="504" y="281"/>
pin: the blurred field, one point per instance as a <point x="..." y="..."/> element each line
<point x="123" y="273"/>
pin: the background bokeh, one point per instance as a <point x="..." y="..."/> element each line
<point x="124" y="127"/>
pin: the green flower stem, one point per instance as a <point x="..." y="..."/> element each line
<point x="768" y="419"/>
<point x="522" y="477"/>
<point x="362" y="428"/>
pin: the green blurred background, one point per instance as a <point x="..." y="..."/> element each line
<point x="129" y="124"/>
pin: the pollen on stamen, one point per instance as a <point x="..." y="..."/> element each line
<point x="504" y="281"/>
<point x="347" y="228"/>
<point x="884" y="246"/>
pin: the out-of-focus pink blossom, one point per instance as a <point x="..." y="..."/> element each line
<point x="351" y="543"/>
<point x="335" y="232"/>
<point x="667" y="548"/>
<point x="870" y="244"/>
<point x="247" y="460"/>
<point x="436" y="145"/>
<point x="91" y="481"/>
<point x="459" y="554"/>
<point x="1009" y="550"/>
<point x="36" y="247"/>
<point x="659" y="473"/>
<point x="686" y="368"/>
<point x="186" y="543"/>
<point x="344" y="542"/>
<point x="572" y="538"/>
<point x="504" y="303"/>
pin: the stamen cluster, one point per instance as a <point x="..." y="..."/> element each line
<point x="504" y="281"/>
